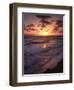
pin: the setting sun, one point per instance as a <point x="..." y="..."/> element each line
<point x="43" y="26"/>
<point x="44" y="33"/>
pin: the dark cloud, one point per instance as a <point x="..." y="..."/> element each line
<point x="39" y="25"/>
<point x="55" y="28"/>
<point x="59" y="23"/>
<point x="52" y="20"/>
<point x="58" y="26"/>
<point x="33" y="29"/>
<point x="43" y="16"/>
<point x="58" y="29"/>
<point x="45" y="22"/>
<point x="30" y="27"/>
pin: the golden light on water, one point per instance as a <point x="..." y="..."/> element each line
<point x="45" y="45"/>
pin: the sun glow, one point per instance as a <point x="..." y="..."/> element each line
<point x="44" y="33"/>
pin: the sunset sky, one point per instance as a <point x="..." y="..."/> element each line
<point x="42" y="24"/>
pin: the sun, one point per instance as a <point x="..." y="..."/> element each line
<point x="44" y="33"/>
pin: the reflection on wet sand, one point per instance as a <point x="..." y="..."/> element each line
<point x="46" y="44"/>
<point x="43" y="54"/>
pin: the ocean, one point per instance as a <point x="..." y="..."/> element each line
<point x="43" y="54"/>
